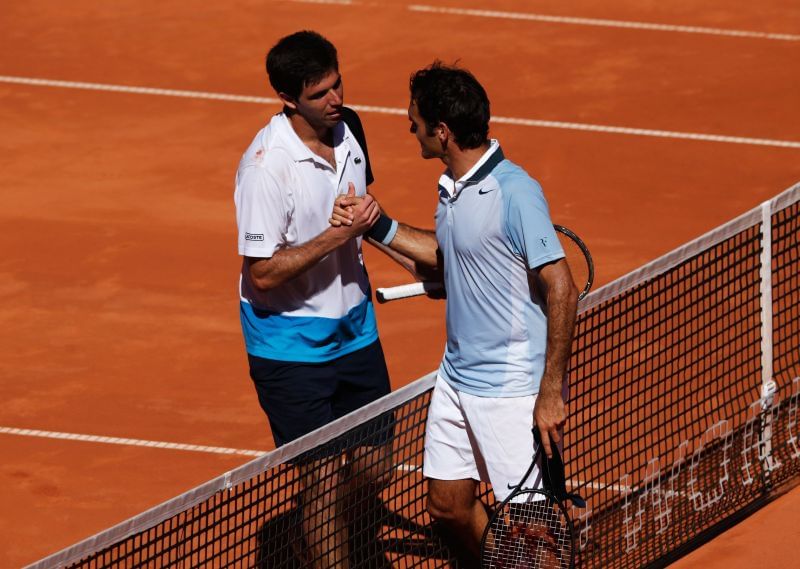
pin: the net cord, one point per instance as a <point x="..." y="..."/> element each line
<point x="679" y="255"/>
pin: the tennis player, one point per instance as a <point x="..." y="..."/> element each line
<point x="306" y="313"/>
<point x="511" y="304"/>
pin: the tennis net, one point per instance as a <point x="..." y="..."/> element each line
<point x="685" y="384"/>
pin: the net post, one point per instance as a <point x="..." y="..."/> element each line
<point x="768" y="385"/>
<point x="766" y="293"/>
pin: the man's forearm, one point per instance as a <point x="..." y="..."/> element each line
<point x="419" y="245"/>
<point x="561" y="307"/>
<point x="286" y="264"/>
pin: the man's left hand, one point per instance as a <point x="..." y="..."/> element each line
<point x="549" y="414"/>
<point x="343" y="207"/>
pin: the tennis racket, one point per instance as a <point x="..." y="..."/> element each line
<point x="531" y="529"/>
<point x="575" y="250"/>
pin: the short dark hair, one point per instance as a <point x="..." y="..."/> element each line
<point x="449" y="94"/>
<point x="298" y="60"/>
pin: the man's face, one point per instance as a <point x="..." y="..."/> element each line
<point x="430" y="145"/>
<point x="321" y="104"/>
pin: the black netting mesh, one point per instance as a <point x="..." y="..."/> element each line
<point x="668" y="437"/>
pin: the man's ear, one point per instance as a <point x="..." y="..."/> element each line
<point x="442" y="132"/>
<point x="442" y="135"/>
<point x="288" y="101"/>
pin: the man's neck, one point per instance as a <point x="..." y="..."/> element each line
<point x="461" y="161"/>
<point x="311" y="137"/>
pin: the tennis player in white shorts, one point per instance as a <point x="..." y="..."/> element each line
<point x="480" y="438"/>
<point x="511" y="304"/>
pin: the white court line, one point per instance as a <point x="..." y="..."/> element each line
<point x="403" y="112"/>
<point x="137" y="90"/>
<point x="571" y="483"/>
<point x="403" y="467"/>
<point x="127" y="442"/>
<point x="571" y="20"/>
<point x="649" y="132"/>
<point x="603" y="23"/>
<point x="152" y="444"/>
<point x="342" y="2"/>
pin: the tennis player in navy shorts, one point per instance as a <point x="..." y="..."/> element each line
<point x="305" y="303"/>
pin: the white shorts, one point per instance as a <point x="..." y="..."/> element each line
<point x="482" y="438"/>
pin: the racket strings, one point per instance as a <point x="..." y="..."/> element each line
<point x="529" y="535"/>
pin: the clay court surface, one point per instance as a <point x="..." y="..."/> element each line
<point x="119" y="269"/>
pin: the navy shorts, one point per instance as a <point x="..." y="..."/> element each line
<point x="301" y="397"/>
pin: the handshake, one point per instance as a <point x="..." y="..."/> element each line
<point x="356" y="213"/>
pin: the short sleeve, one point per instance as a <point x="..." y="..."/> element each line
<point x="262" y="213"/>
<point x="528" y="225"/>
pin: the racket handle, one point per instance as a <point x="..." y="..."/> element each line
<point x="407" y="290"/>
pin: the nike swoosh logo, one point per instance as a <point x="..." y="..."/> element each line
<point x="484" y="191"/>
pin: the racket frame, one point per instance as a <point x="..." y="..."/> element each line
<point x="548" y="493"/>
<point x="587" y="257"/>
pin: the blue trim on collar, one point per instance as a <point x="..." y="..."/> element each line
<point x="490" y="164"/>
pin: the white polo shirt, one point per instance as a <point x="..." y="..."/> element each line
<point x="494" y="230"/>
<point x="284" y="197"/>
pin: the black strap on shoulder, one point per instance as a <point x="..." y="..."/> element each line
<point x="352" y="121"/>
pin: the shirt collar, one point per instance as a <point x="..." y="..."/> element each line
<point x="485" y="164"/>
<point x="297" y="149"/>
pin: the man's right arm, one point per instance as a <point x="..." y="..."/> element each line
<point x="419" y="245"/>
<point x="289" y="262"/>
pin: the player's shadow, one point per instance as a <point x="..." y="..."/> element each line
<point x="377" y="536"/>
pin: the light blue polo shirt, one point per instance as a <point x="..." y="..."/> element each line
<point x="493" y="227"/>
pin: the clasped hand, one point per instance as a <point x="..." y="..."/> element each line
<point x="353" y="212"/>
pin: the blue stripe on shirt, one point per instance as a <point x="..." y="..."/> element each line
<point x="307" y="338"/>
